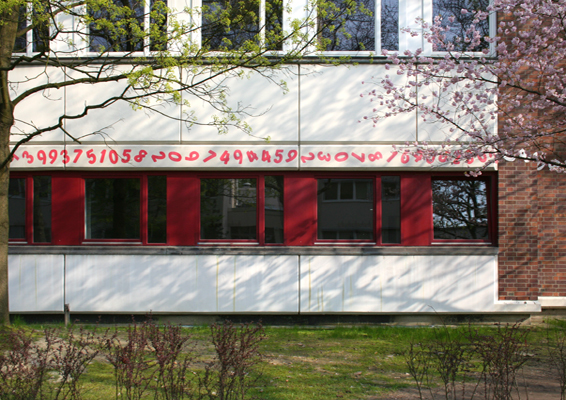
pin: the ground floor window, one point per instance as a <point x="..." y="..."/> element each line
<point x="191" y="208"/>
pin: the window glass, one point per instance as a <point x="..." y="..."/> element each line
<point x="345" y="209"/>
<point x="230" y="24"/>
<point x="228" y="209"/>
<point x="459" y="21"/>
<point x="21" y="40"/>
<point x="119" y="25"/>
<point x="460" y="209"/>
<point x="390" y="209"/>
<point x="112" y="208"/>
<point x="273" y="209"/>
<point x="350" y="26"/>
<point x="39" y="15"/>
<point x="42" y="209"/>
<point x="157" y="209"/>
<point x="17" y="208"/>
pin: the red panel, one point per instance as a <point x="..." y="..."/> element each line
<point x="300" y="209"/>
<point x="416" y="210"/>
<point x="67" y="210"/>
<point x="183" y="199"/>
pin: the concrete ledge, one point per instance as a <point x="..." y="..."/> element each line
<point x="552" y="302"/>
<point x="257" y="250"/>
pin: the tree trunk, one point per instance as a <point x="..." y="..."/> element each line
<point x="8" y="31"/>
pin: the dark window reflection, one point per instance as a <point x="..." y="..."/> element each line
<point x="157" y="209"/>
<point x="228" y="209"/>
<point x="345" y="209"/>
<point x="112" y="208"/>
<point x="348" y="26"/>
<point x="462" y="21"/>
<point x="42" y="209"/>
<point x="229" y="24"/>
<point x="17" y="208"/>
<point x="273" y="209"/>
<point x="390" y="24"/>
<point x="459" y="209"/>
<point x="21" y="40"/>
<point x="390" y="209"/>
<point x="118" y="26"/>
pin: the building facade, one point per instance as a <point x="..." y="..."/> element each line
<point x="324" y="217"/>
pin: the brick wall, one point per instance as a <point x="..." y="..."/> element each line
<point x="532" y="232"/>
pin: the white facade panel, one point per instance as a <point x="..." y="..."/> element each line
<point x="187" y="284"/>
<point x="41" y="109"/>
<point x="270" y="111"/>
<point x="332" y="109"/>
<point x="119" y="121"/>
<point x="395" y="284"/>
<point x="36" y="283"/>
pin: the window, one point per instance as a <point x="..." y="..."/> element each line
<point x="242" y="24"/>
<point x="274" y="209"/>
<point x="460" y="209"/>
<point x="128" y="26"/>
<point x="113" y="209"/>
<point x="390" y="209"/>
<point x="345" y="209"/>
<point x="353" y="26"/>
<point x="38" y="17"/>
<point x="29" y="209"/>
<point x="228" y="209"/>
<point x="459" y="16"/>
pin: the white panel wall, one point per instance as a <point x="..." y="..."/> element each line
<point x="271" y="111"/>
<point x="398" y="283"/>
<point x="332" y="108"/>
<point x="40" y="109"/>
<point x="36" y="283"/>
<point x="182" y="283"/>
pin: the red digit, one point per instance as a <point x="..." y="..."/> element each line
<point x="141" y="155"/>
<point x="278" y="156"/>
<point x="341" y="157"/>
<point x="376" y="156"/>
<point x="392" y="156"/>
<point x="210" y="157"/>
<point x="265" y="156"/>
<point x="27" y="155"/>
<point x="225" y="157"/>
<point x="102" y="154"/>
<point x="291" y="155"/>
<point x="252" y="156"/>
<point x="126" y="155"/>
<point x="41" y="156"/>
<point x="405" y="158"/>
<point x="193" y="155"/>
<point x="238" y="156"/>
<point x="161" y="156"/>
<point x="482" y="158"/>
<point x="361" y="158"/>
<point x="79" y="152"/>
<point x="174" y="156"/>
<point x="66" y="157"/>
<point x="91" y="156"/>
<point x="113" y="156"/>
<point x="53" y="156"/>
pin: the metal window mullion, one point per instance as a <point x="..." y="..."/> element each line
<point x="146" y="27"/>
<point x="262" y="22"/>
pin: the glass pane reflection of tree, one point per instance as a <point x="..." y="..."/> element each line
<point x="273" y="209"/>
<point x="345" y="209"/>
<point x="460" y="209"/>
<point x="228" y="209"/>
<point x="461" y="22"/>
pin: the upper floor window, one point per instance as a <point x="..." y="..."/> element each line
<point x="370" y="25"/>
<point x="37" y="18"/>
<point x="233" y="24"/>
<point x="459" y="16"/>
<point x="128" y="26"/>
<point x="460" y="209"/>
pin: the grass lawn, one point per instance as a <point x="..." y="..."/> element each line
<point x="316" y="363"/>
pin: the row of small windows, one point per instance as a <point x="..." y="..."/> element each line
<point x="232" y="209"/>
<point x="343" y="25"/>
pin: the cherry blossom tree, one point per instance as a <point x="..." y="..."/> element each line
<point x="498" y="97"/>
